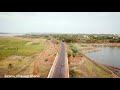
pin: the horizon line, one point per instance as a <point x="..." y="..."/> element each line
<point x="49" y="33"/>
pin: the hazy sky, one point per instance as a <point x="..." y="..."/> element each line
<point x="60" y="22"/>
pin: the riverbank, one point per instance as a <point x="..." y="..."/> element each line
<point x="113" y="70"/>
<point x="86" y="48"/>
<point x="107" y="44"/>
<point x="82" y="67"/>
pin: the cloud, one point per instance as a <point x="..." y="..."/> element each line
<point x="62" y="21"/>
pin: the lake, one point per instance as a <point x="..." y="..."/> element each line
<point x="107" y="55"/>
<point x="11" y="34"/>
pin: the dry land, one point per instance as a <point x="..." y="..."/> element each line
<point x="26" y="56"/>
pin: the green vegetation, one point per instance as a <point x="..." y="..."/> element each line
<point x="66" y="37"/>
<point x="10" y="46"/>
<point x="79" y="38"/>
<point x="73" y="50"/>
<point x="74" y="74"/>
<point x="87" y="38"/>
<point x="36" y="36"/>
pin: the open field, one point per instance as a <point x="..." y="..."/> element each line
<point x="20" y="56"/>
<point x="17" y="47"/>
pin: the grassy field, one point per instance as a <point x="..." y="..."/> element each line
<point x="13" y="46"/>
<point x="17" y="53"/>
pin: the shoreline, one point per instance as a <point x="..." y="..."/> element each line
<point x="91" y="48"/>
<point x="115" y="71"/>
<point x="107" y="44"/>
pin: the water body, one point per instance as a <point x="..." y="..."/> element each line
<point x="11" y="34"/>
<point x="107" y="55"/>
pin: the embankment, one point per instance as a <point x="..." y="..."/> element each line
<point x="102" y="66"/>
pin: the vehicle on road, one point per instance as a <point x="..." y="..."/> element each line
<point x="62" y="65"/>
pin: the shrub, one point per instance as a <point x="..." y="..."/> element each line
<point x="74" y="51"/>
<point x="69" y="53"/>
<point x="46" y="59"/>
<point x="10" y="66"/>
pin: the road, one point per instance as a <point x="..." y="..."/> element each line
<point x="59" y="71"/>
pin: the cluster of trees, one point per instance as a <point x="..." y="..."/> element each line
<point x="114" y="40"/>
<point x="78" y="38"/>
<point x="73" y="51"/>
<point x="90" y="38"/>
<point x="35" y="36"/>
<point x="105" y="39"/>
<point x="66" y="38"/>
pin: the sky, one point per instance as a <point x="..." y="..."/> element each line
<point x="60" y="22"/>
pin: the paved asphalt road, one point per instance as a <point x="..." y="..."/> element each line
<point x="59" y="71"/>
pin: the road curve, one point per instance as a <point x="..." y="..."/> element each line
<point x="59" y="71"/>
